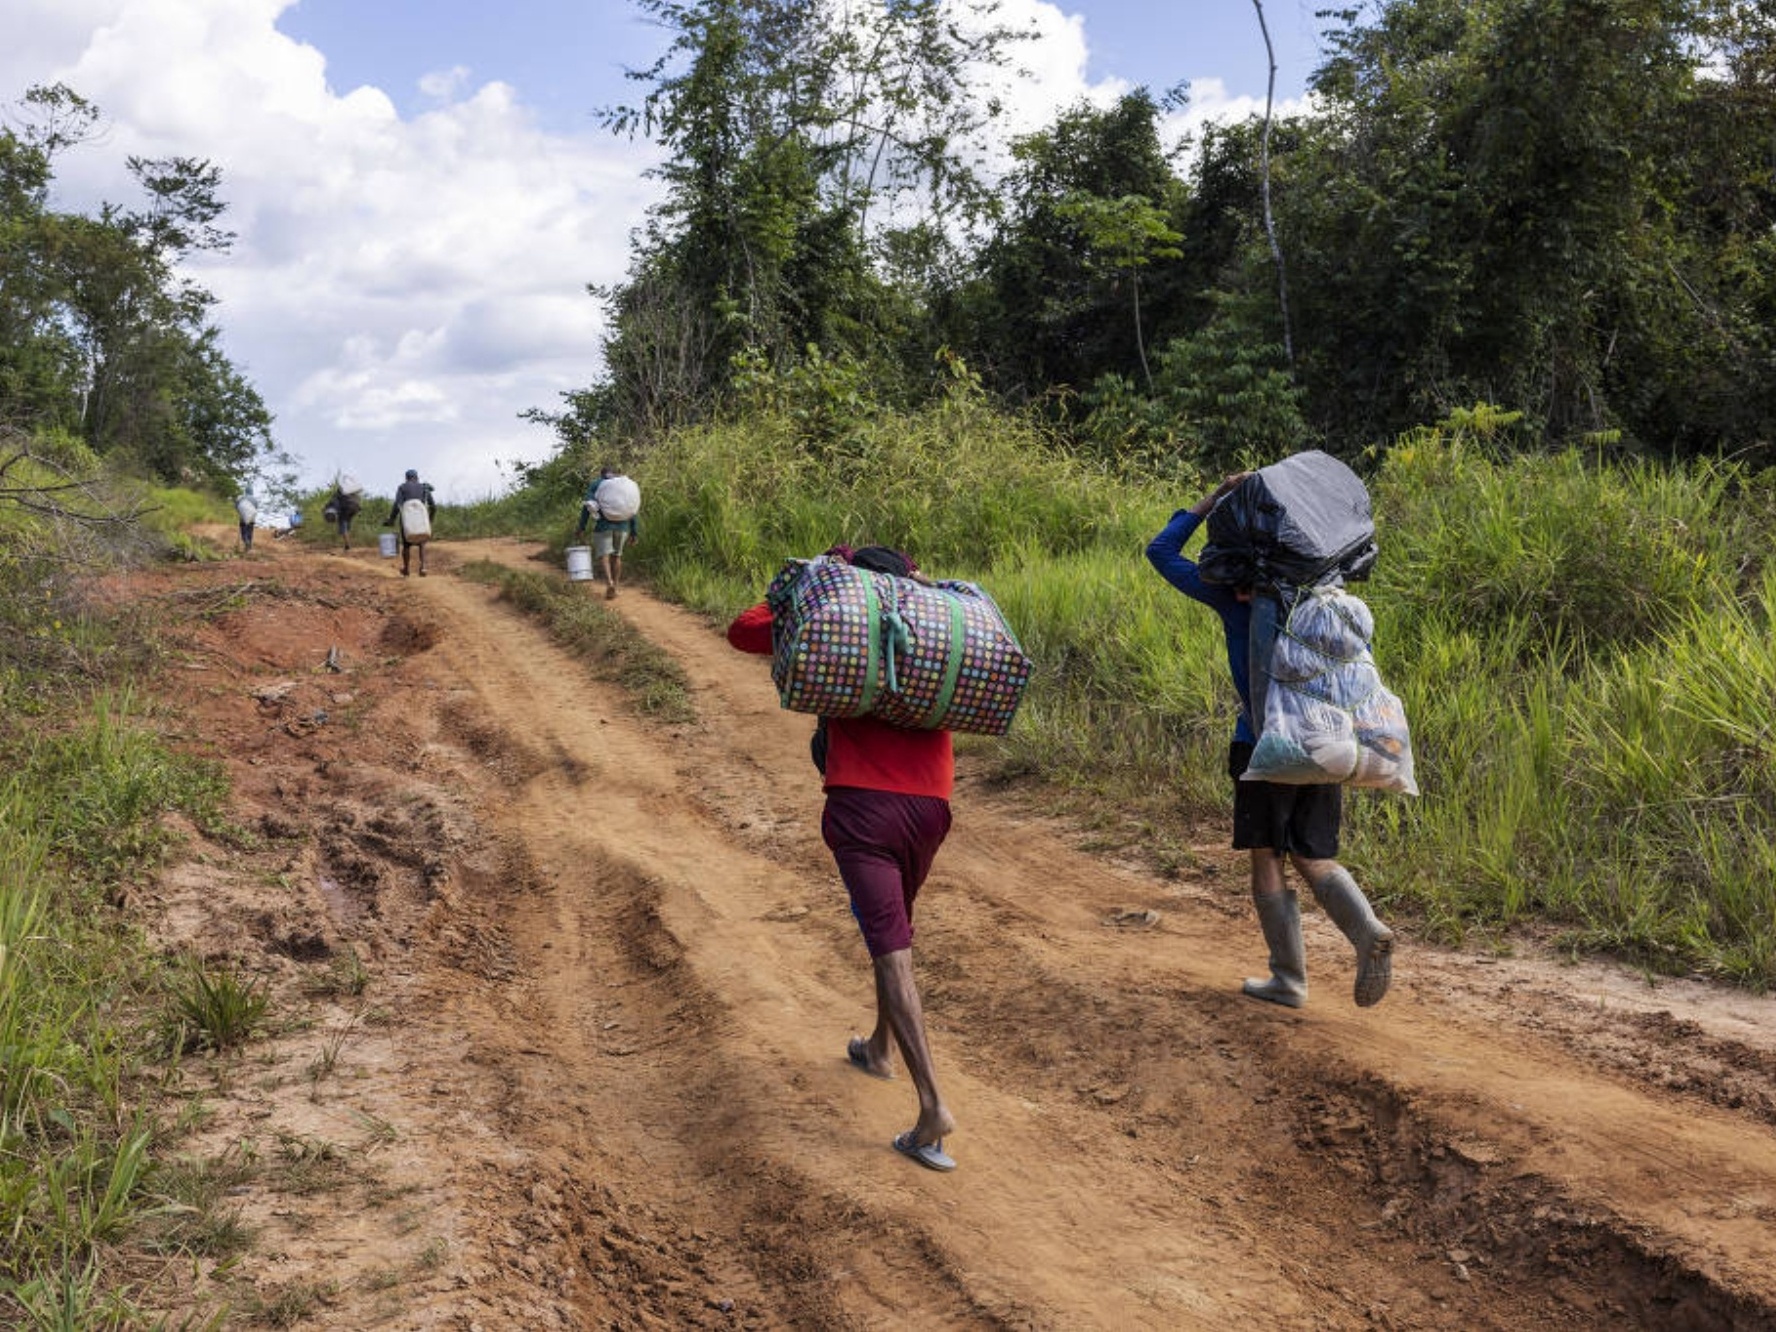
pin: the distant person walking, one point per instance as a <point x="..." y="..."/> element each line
<point x="1275" y="820"/>
<point x="247" y="510"/>
<point x="615" y="501"/>
<point x="342" y="506"/>
<point x="413" y="509"/>
<point x="887" y="813"/>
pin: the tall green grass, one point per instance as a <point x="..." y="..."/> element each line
<point x="1584" y="647"/>
<point x="81" y="1003"/>
<point x="1586" y="653"/>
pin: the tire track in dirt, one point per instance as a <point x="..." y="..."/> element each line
<point x="763" y="1045"/>
<point x="627" y="1001"/>
<point x="1151" y="1140"/>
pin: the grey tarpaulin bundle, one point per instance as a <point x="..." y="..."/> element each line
<point x="1298" y="522"/>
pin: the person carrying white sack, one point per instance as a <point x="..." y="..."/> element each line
<point x="1272" y="820"/>
<point x="414" y="508"/>
<point x="615" y="502"/>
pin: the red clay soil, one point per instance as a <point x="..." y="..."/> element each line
<point x="598" y="1077"/>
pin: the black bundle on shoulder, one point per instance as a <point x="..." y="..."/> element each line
<point x="1300" y="522"/>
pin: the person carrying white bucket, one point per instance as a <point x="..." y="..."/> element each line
<point x="615" y="501"/>
<point x="413" y="509"/>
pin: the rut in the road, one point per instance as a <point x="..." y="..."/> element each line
<point x="619" y="974"/>
<point x="1211" y="1118"/>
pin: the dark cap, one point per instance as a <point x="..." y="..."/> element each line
<point x="883" y="559"/>
<point x="412" y="474"/>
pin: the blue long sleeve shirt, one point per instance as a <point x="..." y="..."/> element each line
<point x="1166" y="553"/>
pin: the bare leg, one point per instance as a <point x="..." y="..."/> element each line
<point x="616" y="569"/>
<point x="898" y="1008"/>
<point x="1267" y="872"/>
<point x="610" y="577"/>
<point x="880" y="1051"/>
<point x="406" y="556"/>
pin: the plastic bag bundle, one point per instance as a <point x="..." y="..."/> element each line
<point x="850" y="642"/>
<point x="1327" y="715"/>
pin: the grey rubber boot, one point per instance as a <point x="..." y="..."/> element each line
<point x="1279" y="916"/>
<point x="1350" y="911"/>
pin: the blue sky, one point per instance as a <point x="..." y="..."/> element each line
<point x="569" y="57"/>
<point x="422" y="197"/>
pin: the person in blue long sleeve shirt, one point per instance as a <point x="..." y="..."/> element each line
<point x="1271" y="820"/>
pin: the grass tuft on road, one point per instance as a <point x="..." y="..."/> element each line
<point x="612" y="650"/>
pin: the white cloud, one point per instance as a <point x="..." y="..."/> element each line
<point x="1049" y="75"/>
<point x="401" y="289"/>
<point x="1211" y="103"/>
<point x="444" y="84"/>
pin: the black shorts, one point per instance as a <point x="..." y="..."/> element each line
<point x="1295" y="820"/>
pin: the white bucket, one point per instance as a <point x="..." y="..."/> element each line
<point x="579" y="563"/>
<point x="388" y="543"/>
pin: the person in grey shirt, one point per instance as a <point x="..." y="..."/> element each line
<point x="412" y="489"/>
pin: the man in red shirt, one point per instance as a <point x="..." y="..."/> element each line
<point x="887" y="812"/>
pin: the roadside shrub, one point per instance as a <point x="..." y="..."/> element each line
<point x="1582" y="553"/>
<point x="212" y="1008"/>
<point x="101" y="786"/>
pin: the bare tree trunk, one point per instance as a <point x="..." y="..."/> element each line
<point x="1276" y="251"/>
<point x="1141" y="342"/>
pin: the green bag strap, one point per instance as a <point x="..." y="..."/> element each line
<point x="872" y="665"/>
<point x="952" y="662"/>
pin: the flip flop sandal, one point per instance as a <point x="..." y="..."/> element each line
<point x="857" y="1051"/>
<point x="931" y="1155"/>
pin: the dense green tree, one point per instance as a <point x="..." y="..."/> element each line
<point x="1501" y="204"/>
<point x="98" y="332"/>
<point x="808" y="147"/>
<point x="1092" y="204"/>
<point x="1567" y="207"/>
<point x="40" y="368"/>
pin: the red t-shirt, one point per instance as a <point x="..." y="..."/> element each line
<point x="862" y="752"/>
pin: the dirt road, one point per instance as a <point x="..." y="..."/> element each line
<point x="597" y="1079"/>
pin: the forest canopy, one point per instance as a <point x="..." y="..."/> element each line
<point x="1564" y="209"/>
<point x="102" y="341"/>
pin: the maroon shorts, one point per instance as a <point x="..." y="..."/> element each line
<point x="884" y="844"/>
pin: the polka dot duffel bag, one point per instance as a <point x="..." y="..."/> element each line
<point x="850" y="642"/>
